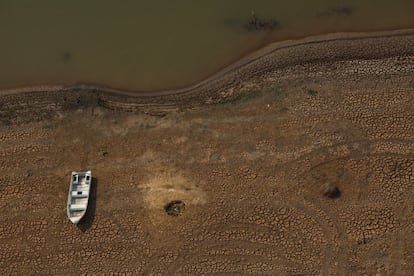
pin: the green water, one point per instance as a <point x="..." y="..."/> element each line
<point x="150" y="45"/>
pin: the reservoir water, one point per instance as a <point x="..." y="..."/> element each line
<point x="151" y="45"/>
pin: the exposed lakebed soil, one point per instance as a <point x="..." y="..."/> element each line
<point x="258" y="166"/>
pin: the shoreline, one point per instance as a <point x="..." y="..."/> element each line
<point x="321" y="48"/>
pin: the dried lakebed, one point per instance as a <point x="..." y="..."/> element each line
<point x="305" y="167"/>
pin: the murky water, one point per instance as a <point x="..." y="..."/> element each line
<point x="150" y="45"/>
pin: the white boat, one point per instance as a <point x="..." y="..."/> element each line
<point x="80" y="186"/>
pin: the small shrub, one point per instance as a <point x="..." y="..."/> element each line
<point x="311" y="92"/>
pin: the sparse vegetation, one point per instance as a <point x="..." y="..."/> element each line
<point x="311" y="92"/>
<point x="248" y="95"/>
<point x="147" y="125"/>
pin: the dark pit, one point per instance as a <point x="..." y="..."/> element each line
<point x="332" y="192"/>
<point x="174" y="207"/>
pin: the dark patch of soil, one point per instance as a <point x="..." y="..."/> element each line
<point x="332" y="192"/>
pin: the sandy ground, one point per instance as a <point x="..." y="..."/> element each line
<point x="252" y="167"/>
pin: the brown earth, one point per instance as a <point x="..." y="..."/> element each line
<point x="254" y="168"/>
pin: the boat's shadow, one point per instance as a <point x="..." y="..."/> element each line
<point x="89" y="217"/>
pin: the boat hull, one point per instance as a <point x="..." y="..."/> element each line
<point x="78" y="197"/>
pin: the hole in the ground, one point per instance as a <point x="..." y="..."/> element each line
<point x="174" y="207"/>
<point x="331" y="191"/>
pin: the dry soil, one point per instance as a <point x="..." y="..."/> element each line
<point x="254" y="168"/>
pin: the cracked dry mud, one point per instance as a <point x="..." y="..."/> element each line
<point x="252" y="174"/>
